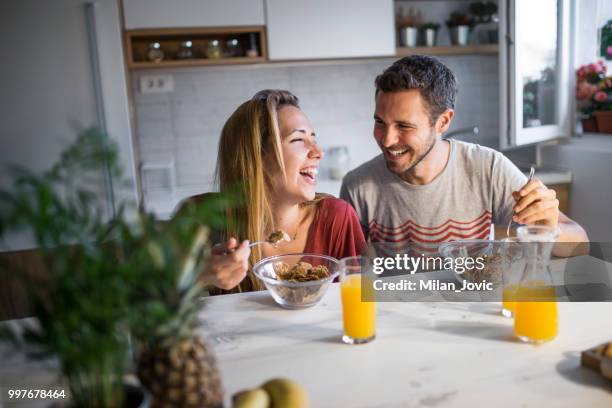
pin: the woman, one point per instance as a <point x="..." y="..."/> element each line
<point x="268" y="151"/>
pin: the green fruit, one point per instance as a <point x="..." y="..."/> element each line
<point x="286" y="393"/>
<point x="255" y="398"/>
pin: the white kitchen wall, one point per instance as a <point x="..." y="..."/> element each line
<point x="48" y="88"/>
<point x="589" y="159"/>
<point x="338" y="97"/>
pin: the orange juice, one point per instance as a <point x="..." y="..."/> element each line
<point x="508" y="299"/>
<point x="536" y="321"/>
<point x="359" y="317"/>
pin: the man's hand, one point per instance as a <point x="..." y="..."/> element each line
<point x="228" y="264"/>
<point x="536" y="203"/>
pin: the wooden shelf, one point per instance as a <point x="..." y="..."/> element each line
<point x="449" y="50"/>
<point x="196" y="62"/>
<point x="137" y="43"/>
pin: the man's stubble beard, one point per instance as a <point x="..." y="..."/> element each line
<point x="418" y="160"/>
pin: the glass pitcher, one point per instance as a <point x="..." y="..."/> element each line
<point x="535" y="318"/>
<point x="513" y="265"/>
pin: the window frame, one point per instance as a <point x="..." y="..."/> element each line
<point x="512" y="133"/>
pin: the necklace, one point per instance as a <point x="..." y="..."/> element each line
<point x="295" y="235"/>
<point x="297" y="228"/>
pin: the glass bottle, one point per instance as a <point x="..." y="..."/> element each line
<point x="253" y="50"/>
<point x="536" y="319"/>
<point x="186" y="51"/>
<point x="213" y="50"/>
<point x="232" y="48"/>
<point x="512" y="263"/>
<point x="155" y="54"/>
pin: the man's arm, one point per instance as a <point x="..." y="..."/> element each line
<point x="533" y="203"/>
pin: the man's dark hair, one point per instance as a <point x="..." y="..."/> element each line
<point x="434" y="80"/>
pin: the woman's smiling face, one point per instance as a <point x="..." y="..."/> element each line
<point x="301" y="155"/>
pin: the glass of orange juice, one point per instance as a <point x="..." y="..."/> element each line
<point x="536" y="316"/>
<point x="358" y="316"/>
<point x="512" y="271"/>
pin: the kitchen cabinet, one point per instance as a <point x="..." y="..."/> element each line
<point x="192" y="13"/>
<point x="320" y="29"/>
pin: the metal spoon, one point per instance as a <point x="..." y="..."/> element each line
<point x="531" y="171"/>
<point x="274" y="239"/>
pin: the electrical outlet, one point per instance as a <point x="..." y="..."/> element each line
<point x="156" y="84"/>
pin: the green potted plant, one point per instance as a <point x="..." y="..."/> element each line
<point x="459" y="25"/>
<point x="110" y="282"/>
<point x="80" y="304"/>
<point x="483" y="11"/>
<point x="486" y="21"/>
<point x="408" y="23"/>
<point x="429" y="33"/>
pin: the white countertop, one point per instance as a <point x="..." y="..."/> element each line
<point x="426" y="354"/>
<point x="595" y="142"/>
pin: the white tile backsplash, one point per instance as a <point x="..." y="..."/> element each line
<point x="184" y="125"/>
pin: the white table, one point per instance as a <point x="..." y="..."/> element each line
<point x="425" y="355"/>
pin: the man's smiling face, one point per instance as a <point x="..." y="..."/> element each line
<point x="402" y="129"/>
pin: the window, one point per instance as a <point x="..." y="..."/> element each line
<point x="535" y="71"/>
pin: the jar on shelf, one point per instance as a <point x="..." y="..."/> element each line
<point x="253" y="50"/>
<point x="338" y="161"/>
<point x="213" y="50"/>
<point x="155" y="53"/>
<point x="186" y="51"/>
<point x="232" y="48"/>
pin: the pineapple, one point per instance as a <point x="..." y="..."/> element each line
<point x="173" y="361"/>
<point x="183" y="374"/>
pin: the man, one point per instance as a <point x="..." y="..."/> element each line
<point x="426" y="190"/>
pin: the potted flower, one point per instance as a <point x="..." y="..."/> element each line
<point x="429" y="32"/>
<point x="408" y="23"/>
<point x="487" y="21"/>
<point x="459" y="25"/>
<point x="594" y="97"/>
<point x="483" y="11"/>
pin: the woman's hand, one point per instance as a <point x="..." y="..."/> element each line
<point x="228" y="264"/>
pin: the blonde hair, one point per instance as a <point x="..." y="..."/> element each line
<point x="249" y="155"/>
